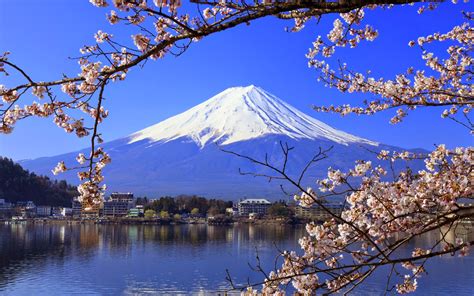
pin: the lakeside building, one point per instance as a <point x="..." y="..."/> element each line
<point x="6" y="208"/>
<point x="56" y="211"/>
<point x="66" y="212"/>
<point x="137" y="211"/>
<point x="27" y="204"/>
<point x="43" y="211"/>
<point x="118" y="204"/>
<point x="316" y="213"/>
<point x="4" y="205"/>
<point x="253" y="206"/>
<point x="91" y="212"/>
<point x="25" y="209"/>
<point x="76" y="207"/>
<point x="79" y="209"/>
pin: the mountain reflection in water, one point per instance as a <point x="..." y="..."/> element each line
<point x="87" y="259"/>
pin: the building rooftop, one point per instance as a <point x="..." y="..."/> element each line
<point x="255" y="201"/>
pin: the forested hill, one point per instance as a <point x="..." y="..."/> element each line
<point x="18" y="184"/>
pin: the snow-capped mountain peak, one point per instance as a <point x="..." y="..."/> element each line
<point x="242" y="113"/>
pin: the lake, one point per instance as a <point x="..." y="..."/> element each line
<point x="88" y="259"/>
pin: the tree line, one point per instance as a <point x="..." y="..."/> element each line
<point x="186" y="204"/>
<point x="18" y="184"/>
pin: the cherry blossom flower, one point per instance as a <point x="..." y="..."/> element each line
<point x="99" y="3"/>
<point x="113" y="17"/>
<point x="39" y="91"/>
<point x="60" y="168"/>
<point x="141" y="42"/>
<point x="100" y="36"/>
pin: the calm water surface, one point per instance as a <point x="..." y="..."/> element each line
<point x="176" y="259"/>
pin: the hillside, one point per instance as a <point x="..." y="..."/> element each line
<point x="18" y="184"/>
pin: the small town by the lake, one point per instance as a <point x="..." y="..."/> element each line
<point x="253" y="148"/>
<point x="125" y="208"/>
<point x="217" y="234"/>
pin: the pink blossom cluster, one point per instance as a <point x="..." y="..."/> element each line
<point x="70" y="124"/>
<point x="380" y="215"/>
<point x="449" y="85"/>
<point x="347" y="31"/>
<point x="91" y="192"/>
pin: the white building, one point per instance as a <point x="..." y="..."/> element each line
<point x="66" y="212"/>
<point x="119" y="204"/>
<point x="253" y="205"/>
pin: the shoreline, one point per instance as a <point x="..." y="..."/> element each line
<point x="157" y="221"/>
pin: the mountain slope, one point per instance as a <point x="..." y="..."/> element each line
<point x="183" y="154"/>
<point x="240" y="114"/>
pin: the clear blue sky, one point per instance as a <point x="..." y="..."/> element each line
<point x="42" y="35"/>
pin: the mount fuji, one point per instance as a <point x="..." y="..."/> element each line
<point x="183" y="154"/>
<point x="241" y="114"/>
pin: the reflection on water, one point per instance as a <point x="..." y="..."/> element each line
<point x="134" y="259"/>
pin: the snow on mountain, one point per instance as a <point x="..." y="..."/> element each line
<point x="239" y="114"/>
<point x="179" y="155"/>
